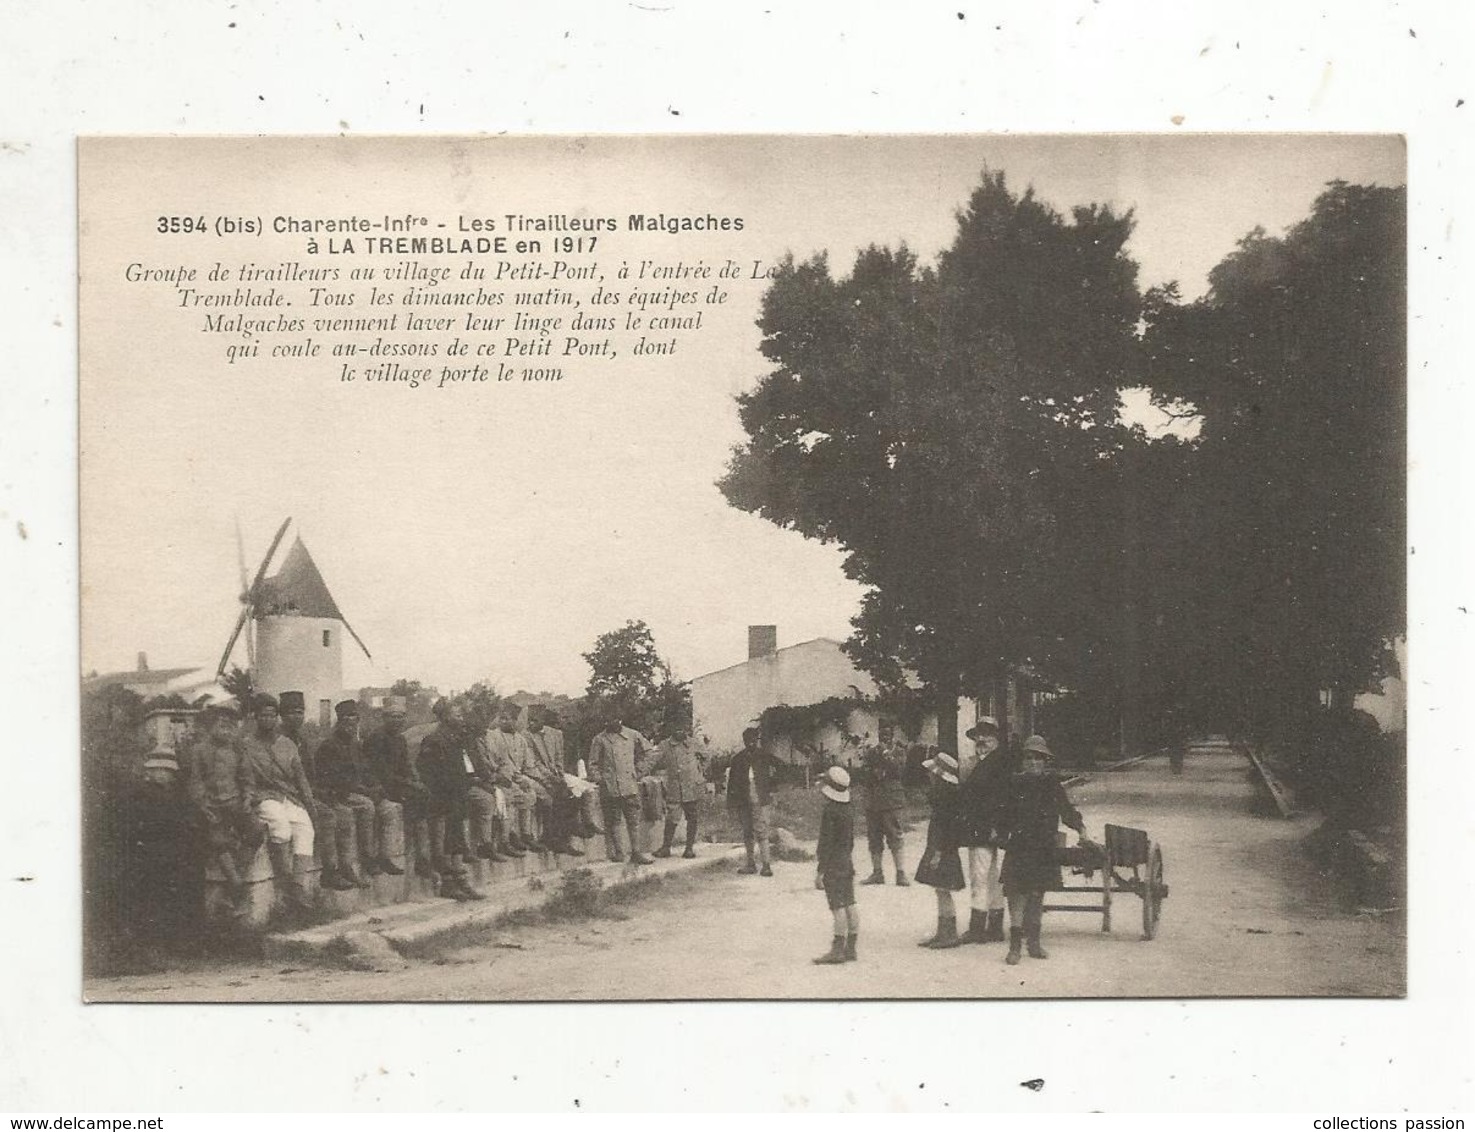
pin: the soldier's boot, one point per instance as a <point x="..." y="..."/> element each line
<point x="667" y="836"/>
<point x="836" y="953"/>
<point x="280" y="853"/>
<point x="993" y="932"/>
<point x="334" y="879"/>
<point x="301" y="896"/>
<point x="850" y="941"/>
<point x="750" y="867"/>
<point x="1016" y="946"/>
<point x="691" y="838"/>
<point x="877" y="876"/>
<point x="389" y="868"/>
<point x="977" y="927"/>
<point x="901" y="875"/>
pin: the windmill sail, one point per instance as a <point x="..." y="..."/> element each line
<point x="251" y="595"/>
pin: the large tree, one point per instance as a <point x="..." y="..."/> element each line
<point x="1295" y="363"/>
<point x="953" y="429"/>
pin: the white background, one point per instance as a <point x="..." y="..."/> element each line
<point x="669" y="65"/>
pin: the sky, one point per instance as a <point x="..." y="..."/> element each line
<point x="492" y="533"/>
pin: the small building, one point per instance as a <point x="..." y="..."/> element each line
<point x="817" y="674"/>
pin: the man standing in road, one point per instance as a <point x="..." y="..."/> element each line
<point x="885" y="765"/>
<point x="984" y="788"/>
<point x="750" y="797"/>
<point x="686" y="785"/>
<point x="616" y="760"/>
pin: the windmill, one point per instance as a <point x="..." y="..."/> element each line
<point x="249" y="595"/>
<point x="293" y="627"/>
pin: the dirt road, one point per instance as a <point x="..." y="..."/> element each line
<point x="1248" y="915"/>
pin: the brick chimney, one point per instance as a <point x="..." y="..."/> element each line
<point x="762" y="640"/>
<point x="143" y="662"/>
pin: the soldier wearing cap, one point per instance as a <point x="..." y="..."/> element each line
<point x="278" y="791"/>
<point x="681" y="762"/>
<point x="398" y="777"/>
<point x="334" y="824"/>
<point x="982" y="792"/>
<point x="750" y="798"/>
<point x="617" y="757"/>
<point x="217" y="788"/>
<point x="885" y="766"/>
<point x="347" y="781"/>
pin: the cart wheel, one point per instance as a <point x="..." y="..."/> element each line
<point x="1152" y="892"/>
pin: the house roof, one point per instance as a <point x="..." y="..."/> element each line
<point x="139" y="676"/>
<point x="297" y="588"/>
<point x="765" y="656"/>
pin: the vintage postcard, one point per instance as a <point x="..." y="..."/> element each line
<point x="749" y="567"/>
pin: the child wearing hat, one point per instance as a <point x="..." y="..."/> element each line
<point x="836" y="871"/>
<point x="942" y="867"/>
<point x="1035" y="806"/>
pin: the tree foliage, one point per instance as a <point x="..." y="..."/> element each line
<point x="629" y="678"/>
<point x="950" y="427"/>
<point x="1295" y="361"/>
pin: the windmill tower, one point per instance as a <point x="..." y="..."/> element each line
<point x="294" y="630"/>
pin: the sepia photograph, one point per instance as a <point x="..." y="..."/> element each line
<point x="638" y="568"/>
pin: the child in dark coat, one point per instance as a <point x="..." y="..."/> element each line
<point x="1035" y="806"/>
<point x="941" y="866"/>
<point x="836" y="871"/>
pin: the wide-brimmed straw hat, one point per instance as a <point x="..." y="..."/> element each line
<point x="944" y="766"/>
<point x="835" y="785"/>
<point x="1036" y="744"/>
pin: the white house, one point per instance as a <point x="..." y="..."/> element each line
<point x="733" y="698"/>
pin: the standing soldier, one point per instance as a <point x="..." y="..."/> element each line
<point x="750" y="797"/>
<point x="616" y="758"/>
<point x="277" y="789"/>
<point x="347" y="781"/>
<point x="396" y="775"/>
<point x="686" y="785"/>
<point x="333" y="824"/>
<point x="985" y="781"/>
<point x="447" y="770"/>
<point x="885" y="764"/>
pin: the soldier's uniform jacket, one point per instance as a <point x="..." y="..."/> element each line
<point x="682" y="765"/>
<point x="884" y="767"/>
<point x="274" y="772"/>
<point x="445" y="764"/>
<point x="741" y="788"/>
<point x="388" y="757"/>
<point x="308" y="739"/>
<point x="344" y="770"/>
<point x="616" y="762"/>
<point x="547" y="750"/>
<point x="511" y="756"/>
<point x="215" y="777"/>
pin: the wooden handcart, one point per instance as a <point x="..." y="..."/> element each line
<point x="1130" y="861"/>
